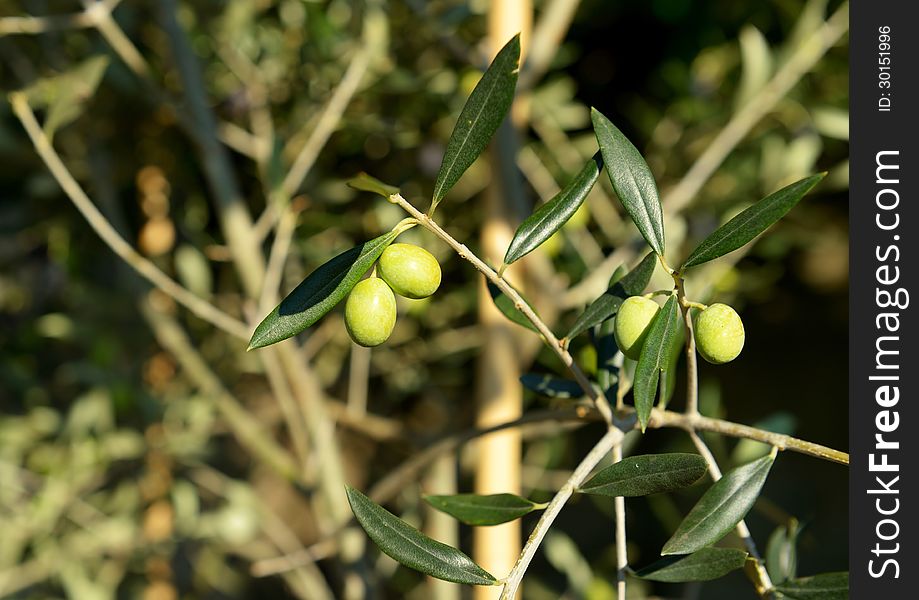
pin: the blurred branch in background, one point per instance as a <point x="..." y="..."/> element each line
<point x="158" y="459"/>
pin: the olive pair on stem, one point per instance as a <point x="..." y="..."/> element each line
<point x="370" y="312"/>
<point x="718" y="330"/>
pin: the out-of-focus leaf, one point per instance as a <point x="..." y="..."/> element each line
<point x="480" y="118"/>
<point x="553" y="387"/>
<point x="704" y="565"/>
<point x="751" y="222"/>
<point x="368" y="183"/>
<point x="492" y="509"/>
<point x="826" y="586"/>
<point x="507" y="307"/>
<point x="756" y="67"/>
<point x="782" y="554"/>
<point x="720" y="508"/>
<point x="319" y="292"/>
<point x="549" y="218"/>
<point x="64" y="95"/>
<point x="646" y="474"/>
<point x="606" y="305"/>
<point x="655" y="357"/>
<point x="412" y="548"/>
<point x="632" y="180"/>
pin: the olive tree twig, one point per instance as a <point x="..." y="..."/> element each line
<point x="612" y="438"/>
<point x="520" y="304"/>
<point x="200" y="307"/>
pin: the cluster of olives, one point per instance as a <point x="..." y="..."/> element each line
<point x="370" y="312"/>
<point x="718" y="330"/>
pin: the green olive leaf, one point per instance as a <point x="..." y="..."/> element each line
<point x="826" y="586"/>
<point x="65" y="95"/>
<point x="553" y="387"/>
<point x="412" y="548"/>
<point x="319" y="292"/>
<point x="655" y="358"/>
<point x="480" y="118"/>
<point x="668" y="376"/>
<point x="704" y="565"/>
<point x="492" y="509"/>
<point x="751" y="222"/>
<point x="369" y="183"/>
<point x="551" y="216"/>
<point x="604" y="307"/>
<point x="508" y="308"/>
<point x="646" y="474"/>
<point x="720" y="508"/>
<point x="632" y="179"/>
<point x="781" y="552"/>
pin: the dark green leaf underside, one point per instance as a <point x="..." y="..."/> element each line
<point x="412" y="548"/>
<point x="647" y="474"/>
<point x="480" y="118"/>
<point x="604" y="307"/>
<point x="632" y="180"/>
<point x="655" y="357"/>
<point x="508" y="309"/>
<point x="720" y="508"/>
<point x="319" y="292"/>
<point x="553" y="387"/>
<point x="551" y="216"/>
<point x="492" y="509"/>
<point x="705" y="565"/>
<point x="827" y="586"/>
<point x="751" y="222"/>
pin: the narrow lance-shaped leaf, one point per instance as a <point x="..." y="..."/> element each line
<point x="646" y="474"/>
<point x="369" y="183"/>
<point x="549" y="218"/>
<point x="480" y="118"/>
<point x="669" y="375"/>
<point x="751" y="222"/>
<point x="720" y="508"/>
<point x="604" y="307"/>
<point x="826" y="586"/>
<point x="553" y="387"/>
<point x="492" y="509"/>
<point x="319" y="292"/>
<point x="655" y="357"/>
<point x="632" y="180"/>
<point x="412" y="548"/>
<point x="705" y="565"/>
<point x="508" y="308"/>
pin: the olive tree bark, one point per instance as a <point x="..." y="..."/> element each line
<point x="498" y="386"/>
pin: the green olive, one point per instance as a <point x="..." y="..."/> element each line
<point x="719" y="334"/>
<point x="410" y="270"/>
<point x="370" y="312"/>
<point x="632" y="323"/>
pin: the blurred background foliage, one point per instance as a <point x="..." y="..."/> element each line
<point x="121" y="473"/>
